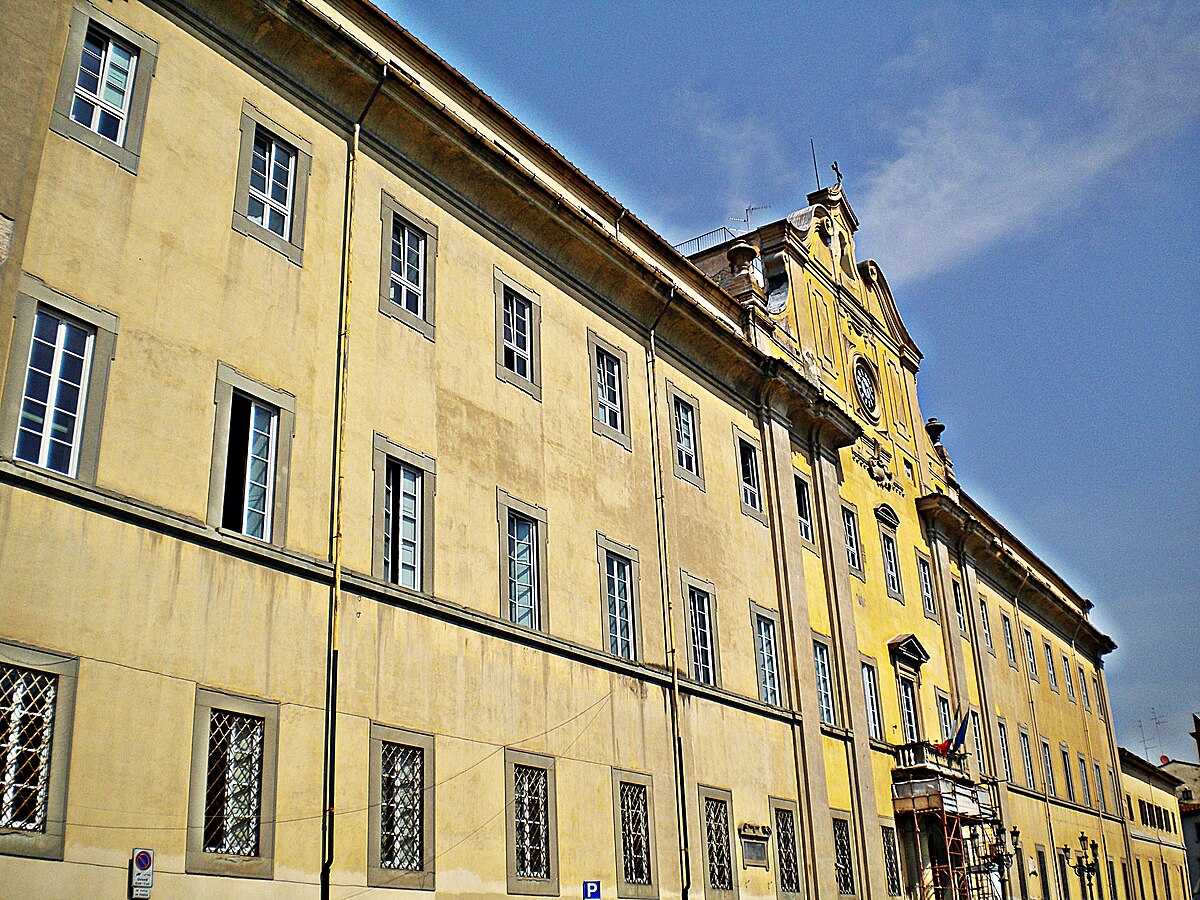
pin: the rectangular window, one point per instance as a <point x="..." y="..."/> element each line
<point x="987" y="623"/>
<point x="1009" y="649"/>
<point x="1083" y="690"/>
<point x="891" y="861"/>
<point x="1005" y="756"/>
<point x="273" y="169"/>
<point x="250" y="467"/>
<point x="518" y="335"/>
<point x="231" y="818"/>
<point x="1030" y="655"/>
<point x="825" y="706"/>
<point x="610" y="390"/>
<point x="402" y="804"/>
<point x="404" y="493"/>
<point x="908" y="710"/>
<point x="1027" y="759"/>
<point x="959" y="612"/>
<point x="1100" y="795"/>
<point x="634" y="812"/>
<point x="1084" y="783"/>
<point x="518" y="343"/>
<point x="408" y="270"/>
<point x="1068" y="681"/>
<point x="945" y="717"/>
<point x="272" y="179"/>
<point x="532" y="824"/>
<point x="891" y="566"/>
<point x="718" y="851"/>
<point x="523" y="551"/>
<point x="27" y="708"/>
<point x="701" y="631"/>
<point x="788" y="862"/>
<point x="977" y="735"/>
<point x="406" y="279"/>
<point x="768" y="658"/>
<point x="104" y="85"/>
<point x="853" y="546"/>
<point x="925" y="577"/>
<point x="874" y="708"/>
<point x="804" y="509"/>
<point x="843" y="857"/>
<point x="619" y="594"/>
<point x="752" y="501"/>
<point x="1048" y="769"/>
<point x="688" y="461"/>
<point x="1051" y="669"/>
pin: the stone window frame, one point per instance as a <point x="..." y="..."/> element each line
<point x="793" y="807"/>
<point x="959" y="599"/>
<point x="384" y="451"/>
<point x="196" y="860"/>
<point x="621" y="435"/>
<point x="911" y="673"/>
<point x="1004" y="750"/>
<point x="229" y="380"/>
<point x="1030" y="653"/>
<point x="252" y="118"/>
<point x="389" y="210"/>
<point x="533" y="384"/>
<point x="1068" y="678"/>
<point x="856" y="874"/>
<point x="887" y="829"/>
<point x="1010" y="640"/>
<point x="706" y="792"/>
<point x="989" y="640"/>
<point x="859" y="571"/>
<point x="836" y="718"/>
<point x="757" y="611"/>
<point x="604" y="546"/>
<point x="1051" y="668"/>
<point x="48" y="844"/>
<point x="377" y="875"/>
<point x="1028" y="767"/>
<point x="888" y="524"/>
<point x="939" y="697"/>
<point x="541" y="887"/>
<point x="627" y="891"/>
<point x="127" y="154"/>
<point x="674" y="394"/>
<point x="799" y="478"/>
<point x="506" y="503"/>
<point x="32" y="293"/>
<point x="933" y="614"/>
<point x="873" y="664"/>
<point x="741" y="437"/>
<point x="686" y="582"/>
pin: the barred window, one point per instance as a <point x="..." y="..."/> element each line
<point x="891" y="861"/>
<point x="233" y="793"/>
<point x="635" y="833"/>
<point x="785" y="839"/>
<point x="716" y="834"/>
<point x="27" y="704"/>
<point x="531" y="814"/>
<point x="402" y="807"/>
<point x="844" y="863"/>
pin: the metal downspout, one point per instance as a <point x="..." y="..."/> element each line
<point x="664" y="583"/>
<point x="329" y="756"/>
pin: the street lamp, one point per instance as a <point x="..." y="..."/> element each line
<point x="1085" y="866"/>
<point x="1000" y="855"/>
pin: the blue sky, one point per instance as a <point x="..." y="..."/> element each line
<point x="1026" y="175"/>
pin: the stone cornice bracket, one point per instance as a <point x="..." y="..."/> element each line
<point x="789" y="395"/>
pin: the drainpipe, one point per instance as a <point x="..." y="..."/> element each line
<point x="664" y="583"/>
<point x="328" y="765"/>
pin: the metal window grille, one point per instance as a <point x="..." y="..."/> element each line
<point x="532" y="817"/>
<point x="52" y="406"/>
<point x="608" y="389"/>
<point x="891" y="564"/>
<point x="1027" y="759"/>
<point x="635" y="833"/>
<point x="804" y="507"/>
<point x="824" y="683"/>
<point x="402" y="807"/>
<point x="517" y="331"/>
<point x="408" y="267"/>
<point x="104" y="85"/>
<point x="522" y="571"/>
<point x="751" y="495"/>
<point x="716" y="832"/>
<point x="871" y="695"/>
<point x="844" y="863"/>
<point x="908" y="710"/>
<point x="233" y="794"/>
<point x="768" y="660"/>
<point x="272" y="177"/>
<point x="850" y="526"/>
<point x="789" y="862"/>
<point x="27" y="703"/>
<point x="618" y="577"/>
<point x="702" y="648"/>
<point x="891" y="861"/>
<point x="685" y="436"/>
<point x="925" y="575"/>
<point x="402" y="525"/>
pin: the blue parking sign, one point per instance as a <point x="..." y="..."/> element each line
<point x="591" y="890"/>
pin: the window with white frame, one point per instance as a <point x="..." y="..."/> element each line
<point x="1051" y="669"/>
<point x="1030" y="655"/>
<point x="104" y="85"/>
<point x="909" y="721"/>
<point x="401" y="849"/>
<point x="272" y="183"/>
<point x="1027" y="760"/>
<point x="523" y="575"/>
<point x="824" y="671"/>
<point x="977" y="736"/>
<point x="1068" y="779"/>
<point x="27" y="716"/>
<point x="608" y="390"/>
<point x="767" y="651"/>
<point x="1048" y="769"/>
<point x="870" y="680"/>
<point x="891" y="565"/>
<point x="804" y="509"/>
<point x="407" y="268"/>
<point x="402" y="516"/>
<point x="751" y="484"/>
<point x="925" y="577"/>
<point x="518" y="335"/>
<point x="635" y="824"/>
<point x="518" y="341"/>
<point x="532" y="827"/>
<point x="959" y="612"/>
<point x="945" y="717"/>
<point x="685" y="436"/>
<point x="1100" y="795"/>
<point x="619" y="596"/>
<point x="987" y="623"/>
<point x="853" y="545"/>
<point x="250" y="467"/>
<point x="1085" y="786"/>
<point x="700" y="616"/>
<point x="718" y="850"/>
<point x="1009" y="646"/>
<point x="1005" y="757"/>
<point x="1068" y="679"/>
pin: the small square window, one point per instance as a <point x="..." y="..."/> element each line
<point x="620" y="596"/>
<point x="766" y="646"/>
<point x="523" y="554"/>
<point x="104" y="86"/>
<point x="685" y="435"/>
<point x="532" y="824"/>
<point x="407" y="275"/>
<point x="633" y="813"/>
<point x="720" y="879"/>
<point x="272" y="184"/>
<point x="610" y="390"/>
<point x="401" y="849"/>
<point x="404" y="494"/>
<point x="518" y="335"/>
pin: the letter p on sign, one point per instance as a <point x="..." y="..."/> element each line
<point x="591" y="890"/>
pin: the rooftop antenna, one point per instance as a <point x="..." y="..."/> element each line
<point x="745" y="219"/>
<point x="1157" y="720"/>
<point x="816" y="173"/>
<point x="1145" y="746"/>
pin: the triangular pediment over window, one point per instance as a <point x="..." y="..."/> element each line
<point x="907" y="651"/>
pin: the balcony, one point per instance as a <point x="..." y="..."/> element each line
<point x="925" y="781"/>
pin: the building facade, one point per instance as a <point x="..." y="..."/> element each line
<point x="385" y="508"/>
<point x="1159" y="865"/>
<point x="1188" y="795"/>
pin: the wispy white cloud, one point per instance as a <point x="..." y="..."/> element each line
<point x="982" y="160"/>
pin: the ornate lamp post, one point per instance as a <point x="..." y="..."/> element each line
<point x="1086" y="866"/>
<point x="1000" y="855"/>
